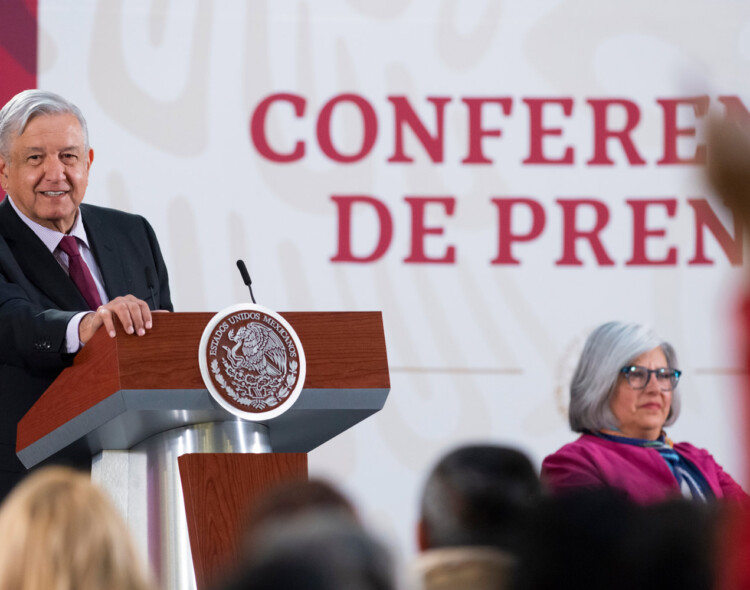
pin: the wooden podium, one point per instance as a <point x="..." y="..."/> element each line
<point x="182" y="469"/>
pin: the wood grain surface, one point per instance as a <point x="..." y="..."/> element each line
<point x="219" y="489"/>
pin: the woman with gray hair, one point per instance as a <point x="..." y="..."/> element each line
<point x="623" y="393"/>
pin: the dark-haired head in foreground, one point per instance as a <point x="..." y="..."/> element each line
<point x="474" y="508"/>
<point x="316" y="552"/>
<point x="596" y="539"/>
<point x="477" y="495"/>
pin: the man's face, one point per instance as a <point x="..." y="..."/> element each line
<point x="48" y="170"/>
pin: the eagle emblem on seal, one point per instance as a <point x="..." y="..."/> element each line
<point x="255" y="369"/>
<point x="252" y="362"/>
<point x="257" y="348"/>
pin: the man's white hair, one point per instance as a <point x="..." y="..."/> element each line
<point x="29" y="104"/>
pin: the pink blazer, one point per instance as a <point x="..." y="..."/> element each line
<point x="641" y="472"/>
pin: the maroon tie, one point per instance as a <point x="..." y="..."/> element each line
<point x="80" y="273"/>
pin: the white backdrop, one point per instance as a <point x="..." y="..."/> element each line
<point x="478" y="351"/>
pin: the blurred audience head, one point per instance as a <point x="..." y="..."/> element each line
<point x="316" y="551"/>
<point x="597" y="539"/>
<point x="477" y="495"/>
<point x="674" y="545"/>
<point x="728" y="163"/>
<point x="608" y="349"/>
<point x="294" y="499"/>
<point x="576" y="541"/>
<point x="61" y="532"/>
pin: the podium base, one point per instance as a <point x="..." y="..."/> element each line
<point x="145" y="484"/>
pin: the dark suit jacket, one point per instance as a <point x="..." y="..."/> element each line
<point x="37" y="299"/>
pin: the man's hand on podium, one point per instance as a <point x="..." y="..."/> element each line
<point x="133" y="313"/>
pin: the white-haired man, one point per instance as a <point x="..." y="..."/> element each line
<point x="66" y="269"/>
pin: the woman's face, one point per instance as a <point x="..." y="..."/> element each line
<point x="641" y="413"/>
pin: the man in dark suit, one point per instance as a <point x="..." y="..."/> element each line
<point x="66" y="269"/>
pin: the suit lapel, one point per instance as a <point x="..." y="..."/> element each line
<point x="37" y="263"/>
<point x="103" y="244"/>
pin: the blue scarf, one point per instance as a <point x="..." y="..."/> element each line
<point x="691" y="481"/>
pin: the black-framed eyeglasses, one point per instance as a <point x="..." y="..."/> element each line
<point x="638" y="377"/>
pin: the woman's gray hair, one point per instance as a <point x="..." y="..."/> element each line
<point x="608" y="348"/>
<point x="25" y="106"/>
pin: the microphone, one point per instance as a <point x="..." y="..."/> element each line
<point x="246" y="277"/>
<point x="150" y="284"/>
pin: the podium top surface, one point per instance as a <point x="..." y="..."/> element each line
<point x="120" y="391"/>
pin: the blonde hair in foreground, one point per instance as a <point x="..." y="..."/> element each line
<point x="58" y="531"/>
